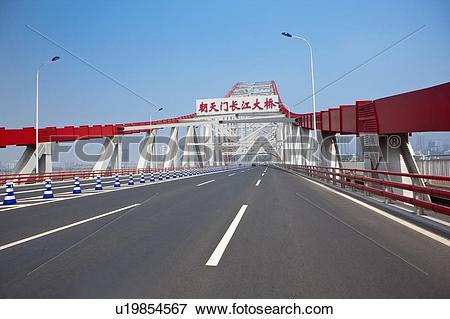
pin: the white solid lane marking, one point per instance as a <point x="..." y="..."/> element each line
<point x="218" y="252"/>
<point x="231" y="174"/>
<point x="257" y="183"/>
<point x="418" y="229"/>
<point x="204" y="183"/>
<point x="24" y="240"/>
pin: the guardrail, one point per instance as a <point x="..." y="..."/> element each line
<point x="84" y="174"/>
<point x="380" y="183"/>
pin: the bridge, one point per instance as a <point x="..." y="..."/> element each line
<point x="253" y="201"/>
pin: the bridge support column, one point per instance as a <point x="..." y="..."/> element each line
<point x="392" y="153"/>
<point x="282" y="136"/>
<point x="111" y="157"/>
<point x="286" y="141"/>
<point x="191" y="152"/>
<point x="27" y="162"/>
<point x="328" y="154"/>
<point x="308" y="143"/>
<point x="279" y="143"/>
<point x="218" y="156"/>
<point x="208" y="160"/>
<point x="295" y="145"/>
<point x="303" y="140"/>
<point x="329" y="150"/>
<point x="298" y="146"/>
<point x="290" y="150"/>
<point x="171" y="159"/>
<point x="147" y="151"/>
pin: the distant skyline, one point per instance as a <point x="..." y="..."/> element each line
<point x="173" y="52"/>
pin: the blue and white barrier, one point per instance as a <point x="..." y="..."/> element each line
<point x="117" y="181"/>
<point x="98" y="184"/>
<point x="48" y="192"/>
<point x="131" y="180"/>
<point x="10" y="198"/>
<point x="76" y="186"/>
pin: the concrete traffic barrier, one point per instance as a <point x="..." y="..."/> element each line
<point x="48" y="192"/>
<point x="76" y="186"/>
<point x="10" y="198"/>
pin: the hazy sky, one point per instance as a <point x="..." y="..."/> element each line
<point x="172" y="52"/>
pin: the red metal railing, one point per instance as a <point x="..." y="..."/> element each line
<point x="84" y="174"/>
<point x="383" y="185"/>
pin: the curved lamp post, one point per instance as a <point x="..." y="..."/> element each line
<point x="288" y="35"/>
<point x="36" y="152"/>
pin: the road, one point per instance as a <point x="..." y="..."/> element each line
<point x="250" y="233"/>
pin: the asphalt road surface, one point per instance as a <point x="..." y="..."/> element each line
<point x="249" y="233"/>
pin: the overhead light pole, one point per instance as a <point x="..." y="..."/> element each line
<point x="288" y="35"/>
<point x="156" y="110"/>
<point x="36" y="152"/>
<point x="156" y="146"/>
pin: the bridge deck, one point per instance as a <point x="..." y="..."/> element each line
<point x="295" y="239"/>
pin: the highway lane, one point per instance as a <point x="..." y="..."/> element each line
<point x="287" y="247"/>
<point x="32" y="194"/>
<point x="294" y="239"/>
<point x="36" y="190"/>
<point x="26" y="221"/>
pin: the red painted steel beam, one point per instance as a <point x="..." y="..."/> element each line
<point x="423" y="110"/>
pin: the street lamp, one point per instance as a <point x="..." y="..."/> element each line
<point x="36" y="152"/>
<point x="156" y="148"/>
<point x="288" y="35"/>
<point x="156" y="110"/>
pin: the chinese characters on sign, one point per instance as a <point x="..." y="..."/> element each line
<point x="233" y="105"/>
